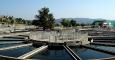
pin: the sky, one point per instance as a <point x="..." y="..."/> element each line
<point x="27" y="9"/>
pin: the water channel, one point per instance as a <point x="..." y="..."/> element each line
<point x="86" y="54"/>
<point x="52" y="54"/>
<point x="17" y="51"/>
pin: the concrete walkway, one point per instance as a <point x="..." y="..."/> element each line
<point x="72" y="53"/>
<point x="105" y="44"/>
<point x="7" y="58"/>
<point x="11" y="42"/>
<point x="33" y="52"/>
<point x="12" y="47"/>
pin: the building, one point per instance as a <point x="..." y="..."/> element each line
<point x="104" y="23"/>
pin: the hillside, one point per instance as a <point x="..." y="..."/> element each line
<point x="78" y="20"/>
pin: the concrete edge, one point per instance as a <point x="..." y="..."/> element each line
<point x="32" y="52"/>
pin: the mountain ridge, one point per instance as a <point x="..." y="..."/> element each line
<point x="79" y="20"/>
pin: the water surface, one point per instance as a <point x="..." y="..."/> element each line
<point x="86" y="54"/>
<point x="52" y="55"/>
<point x="8" y="45"/>
<point x="108" y="48"/>
<point x="17" y="52"/>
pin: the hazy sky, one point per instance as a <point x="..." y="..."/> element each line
<point x="60" y="8"/>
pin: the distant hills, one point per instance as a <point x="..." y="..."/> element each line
<point x="79" y="20"/>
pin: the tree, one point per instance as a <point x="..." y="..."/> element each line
<point x="73" y="22"/>
<point x="56" y="24"/>
<point x="19" y="20"/>
<point x="35" y="22"/>
<point x="44" y="19"/>
<point x="51" y="21"/>
<point x="11" y="20"/>
<point x="65" y="22"/>
<point x="82" y="24"/>
<point x="28" y="22"/>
